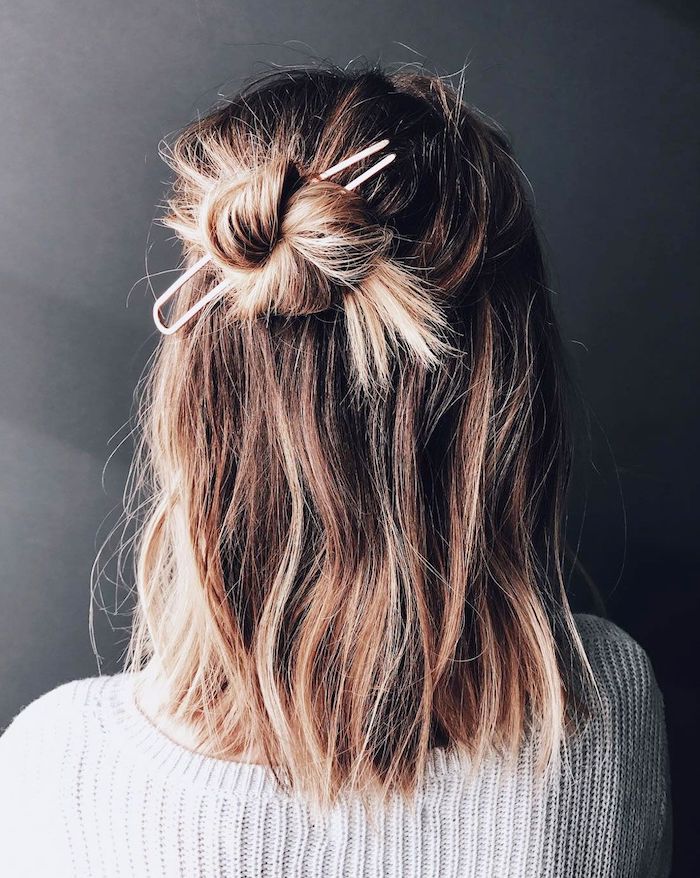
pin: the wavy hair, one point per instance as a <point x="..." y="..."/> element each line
<point x="354" y="463"/>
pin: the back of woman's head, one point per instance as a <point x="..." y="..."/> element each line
<point x="356" y="458"/>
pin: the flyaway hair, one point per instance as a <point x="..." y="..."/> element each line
<point x="353" y="465"/>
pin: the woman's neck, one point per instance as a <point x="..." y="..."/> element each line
<point x="150" y="696"/>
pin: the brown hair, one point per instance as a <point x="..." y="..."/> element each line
<point x="355" y="462"/>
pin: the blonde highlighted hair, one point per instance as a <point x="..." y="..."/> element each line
<point x="354" y="463"/>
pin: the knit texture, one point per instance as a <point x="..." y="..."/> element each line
<point x="90" y="787"/>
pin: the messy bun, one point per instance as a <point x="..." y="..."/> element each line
<point x="288" y="243"/>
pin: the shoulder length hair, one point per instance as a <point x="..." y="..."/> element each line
<point x="354" y="463"/>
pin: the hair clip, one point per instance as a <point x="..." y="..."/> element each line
<point x="219" y="289"/>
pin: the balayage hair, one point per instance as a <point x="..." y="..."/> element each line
<point x="355" y="462"/>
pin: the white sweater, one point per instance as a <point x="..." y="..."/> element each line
<point x="90" y="787"/>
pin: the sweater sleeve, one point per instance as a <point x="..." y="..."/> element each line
<point x="32" y="840"/>
<point x="628" y="754"/>
<point x="659" y="772"/>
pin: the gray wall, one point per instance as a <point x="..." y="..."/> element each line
<point x="600" y="99"/>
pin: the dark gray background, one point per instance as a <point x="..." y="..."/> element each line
<point x="601" y="101"/>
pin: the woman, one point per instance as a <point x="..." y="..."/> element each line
<point x="352" y="653"/>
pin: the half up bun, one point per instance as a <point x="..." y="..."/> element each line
<point x="290" y="244"/>
<point x="287" y="242"/>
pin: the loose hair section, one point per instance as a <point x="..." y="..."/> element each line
<point x="355" y="462"/>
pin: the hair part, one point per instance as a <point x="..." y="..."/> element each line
<point x="355" y="462"/>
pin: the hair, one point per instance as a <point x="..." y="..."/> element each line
<point x="353" y="464"/>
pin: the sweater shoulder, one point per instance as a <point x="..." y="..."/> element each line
<point x="628" y="732"/>
<point x="39" y="752"/>
<point x="596" y="629"/>
<point x="54" y="715"/>
<point x="620" y="664"/>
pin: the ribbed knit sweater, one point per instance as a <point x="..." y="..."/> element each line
<point x="89" y="786"/>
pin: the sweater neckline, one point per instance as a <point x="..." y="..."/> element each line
<point x="210" y="773"/>
<point x="174" y="759"/>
